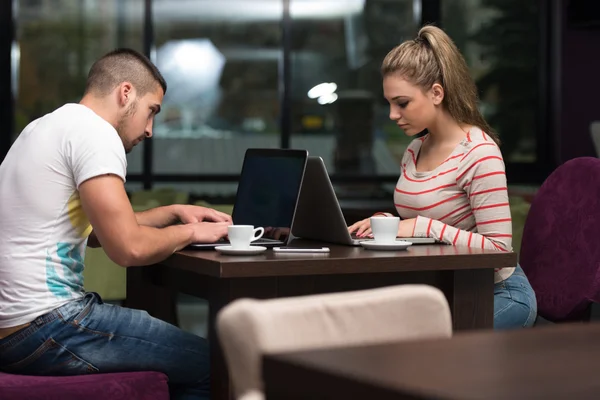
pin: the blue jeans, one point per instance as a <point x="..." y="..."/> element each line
<point x="86" y="336"/>
<point x="514" y="302"/>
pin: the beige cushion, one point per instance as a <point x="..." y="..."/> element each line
<point x="249" y="328"/>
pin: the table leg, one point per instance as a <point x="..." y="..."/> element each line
<point x="143" y="294"/>
<point x="218" y="297"/>
<point x="470" y="294"/>
<point x="220" y="293"/>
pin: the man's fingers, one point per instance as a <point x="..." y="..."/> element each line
<point x="219" y="216"/>
<point x="188" y="219"/>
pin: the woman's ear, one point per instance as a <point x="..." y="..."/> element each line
<point x="437" y="93"/>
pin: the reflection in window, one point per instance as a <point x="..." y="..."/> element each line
<point x="338" y="54"/>
<point x="500" y="40"/>
<point x="220" y="60"/>
<point x="349" y="125"/>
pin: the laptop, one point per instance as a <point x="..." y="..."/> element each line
<point x="267" y="194"/>
<point x="318" y="213"/>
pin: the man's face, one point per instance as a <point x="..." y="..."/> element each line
<point x="137" y="120"/>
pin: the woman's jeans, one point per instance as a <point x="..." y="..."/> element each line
<point x="86" y="336"/>
<point x="514" y="302"/>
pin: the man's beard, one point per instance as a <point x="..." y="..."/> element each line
<point x="122" y="126"/>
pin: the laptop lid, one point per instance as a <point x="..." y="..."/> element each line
<point x="318" y="214"/>
<point x="267" y="193"/>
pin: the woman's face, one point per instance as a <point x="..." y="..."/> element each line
<point x="411" y="108"/>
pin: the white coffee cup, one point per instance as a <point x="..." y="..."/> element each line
<point x="240" y="236"/>
<point x="385" y="229"/>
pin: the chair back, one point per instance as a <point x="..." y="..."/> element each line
<point x="249" y="328"/>
<point x="560" y="250"/>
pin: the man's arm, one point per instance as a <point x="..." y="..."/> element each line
<point x="158" y="217"/>
<point x="168" y="215"/>
<point x="161" y="217"/>
<point x="125" y="241"/>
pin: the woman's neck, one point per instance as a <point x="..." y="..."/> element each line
<point x="445" y="130"/>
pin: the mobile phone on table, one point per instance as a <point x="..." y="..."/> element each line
<point x="287" y="249"/>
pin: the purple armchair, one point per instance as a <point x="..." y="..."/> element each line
<point x="560" y="250"/>
<point x="117" y="386"/>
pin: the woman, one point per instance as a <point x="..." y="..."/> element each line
<point x="452" y="185"/>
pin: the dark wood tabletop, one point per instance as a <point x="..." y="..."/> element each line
<point x="340" y="260"/>
<point x="553" y="362"/>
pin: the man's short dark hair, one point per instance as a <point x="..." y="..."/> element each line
<point x="124" y="65"/>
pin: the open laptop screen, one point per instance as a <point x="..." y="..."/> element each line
<point x="269" y="188"/>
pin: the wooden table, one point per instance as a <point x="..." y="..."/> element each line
<point x="553" y="362"/>
<point x="464" y="275"/>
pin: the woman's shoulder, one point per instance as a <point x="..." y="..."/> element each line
<point x="477" y="136"/>
<point x="478" y="144"/>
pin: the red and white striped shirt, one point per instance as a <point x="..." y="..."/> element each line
<point x="464" y="201"/>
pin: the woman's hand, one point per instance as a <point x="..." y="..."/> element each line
<point x="362" y="228"/>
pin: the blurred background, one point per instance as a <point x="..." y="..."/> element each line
<point x="286" y="73"/>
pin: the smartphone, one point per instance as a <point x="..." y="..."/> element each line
<point x="288" y="249"/>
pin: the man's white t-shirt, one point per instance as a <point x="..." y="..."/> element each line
<point x="43" y="228"/>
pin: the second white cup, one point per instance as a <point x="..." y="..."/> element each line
<point x="385" y="229"/>
<point x="240" y="236"/>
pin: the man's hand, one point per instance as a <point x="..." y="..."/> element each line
<point x="208" y="232"/>
<point x="189" y="214"/>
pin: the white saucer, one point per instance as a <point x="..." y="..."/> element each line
<point x="248" y="251"/>
<point x="397" y="245"/>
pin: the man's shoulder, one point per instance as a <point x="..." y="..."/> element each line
<point x="87" y="127"/>
<point x="79" y="114"/>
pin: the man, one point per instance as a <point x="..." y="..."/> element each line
<point x="61" y="184"/>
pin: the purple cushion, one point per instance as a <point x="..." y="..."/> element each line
<point x="114" y="386"/>
<point x="560" y="251"/>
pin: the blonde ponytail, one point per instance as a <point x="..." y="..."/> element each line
<point x="434" y="58"/>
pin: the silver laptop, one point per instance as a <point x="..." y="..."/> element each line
<point x="318" y="213"/>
